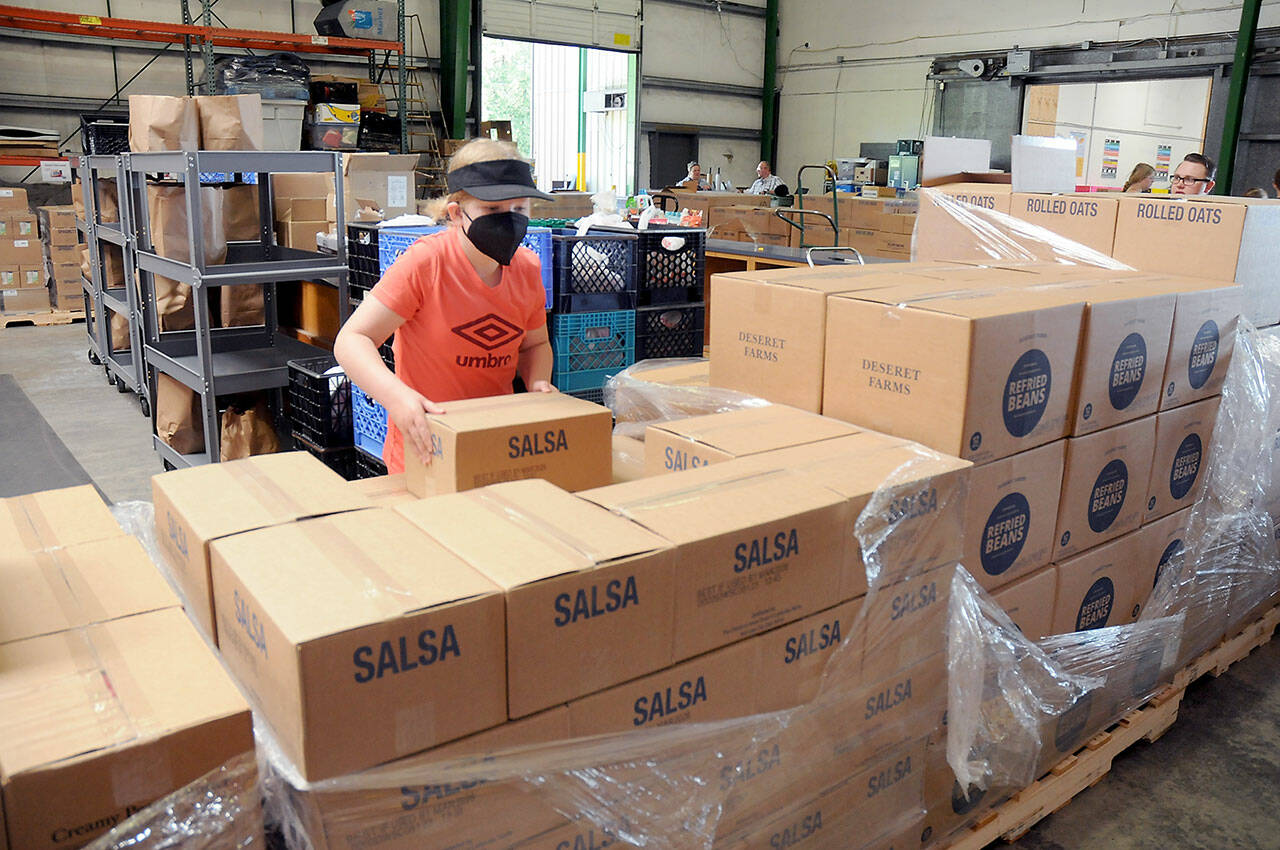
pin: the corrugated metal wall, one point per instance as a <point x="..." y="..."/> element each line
<point x="610" y="136"/>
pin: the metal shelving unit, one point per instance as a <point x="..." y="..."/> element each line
<point x="90" y="293"/>
<point x="124" y="366"/>
<point x="222" y="361"/>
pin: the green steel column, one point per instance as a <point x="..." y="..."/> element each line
<point x="582" y="121"/>
<point x="455" y="47"/>
<point x="1235" y="100"/>
<point x="402" y="104"/>
<point x="767" y="118"/>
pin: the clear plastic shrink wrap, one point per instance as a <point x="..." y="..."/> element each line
<point x="638" y="402"/>
<point x="933" y="708"/>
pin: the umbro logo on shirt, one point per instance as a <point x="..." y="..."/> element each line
<point x="488" y="332"/>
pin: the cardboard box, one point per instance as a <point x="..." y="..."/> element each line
<point x="793" y="657"/>
<point x="9" y="277"/>
<point x="20" y="225"/>
<point x="102" y="721"/>
<point x="302" y="209"/>
<point x="906" y="624"/>
<point x="1011" y="514"/>
<point x="13" y="199"/>
<point x="1104" y="485"/>
<point x="20" y="301"/>
<point x="393" y="635"/>
<point x="1124" y="345"/>
<point x="693" y="373"/>
<point x="23" y="251"/>
<point x="482" y="441"/>
<point x="1088" y="219"/>
<point x="1196" y="239"/>
<point x="1183" y="437"/>
<point x="1258" y="259"/>
<point x="31" y="277"/>
<point x="300" y="234"/>
<point x="892" y="243"/>
<point x="76" y="586"/>
<point x="862" y="241"/>
<point x="702" y="440"/>
<point x="51" y="518"/>
<point x="988" y="373"/>
<point x="939" y="235"/>
<point x="922" y="494"/>
<point x="1204" y="332"/>
<point x="204" y="503"/>
<point x="628" y="459"/>
<point x="64" y="272"/>
<point x="385" y="179"/>
<point x="948" y="807"/>
<point x="383" y="491"/>
<point x="1030" y="602"/>
<point x="754" y="550"/>
<point x="56" y="218"/>
<point x="1097" y="588"/>
<point x="1160" y="542"/>
<point x="64" y="295"/>
<point x="579" y="581"/>
<point x="770" y="331"/>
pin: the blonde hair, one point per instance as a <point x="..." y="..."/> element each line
<point x="476" y="150"/>
<point x="1140" y="172"/>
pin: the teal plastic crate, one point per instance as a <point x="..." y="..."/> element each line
<point x="591" y="347"/>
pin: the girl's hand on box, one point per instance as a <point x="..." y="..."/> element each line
<point x="408" y="410"/>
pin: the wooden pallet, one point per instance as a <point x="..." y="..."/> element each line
<point x="1087" y="766"/>
<point x="40" y="320"/>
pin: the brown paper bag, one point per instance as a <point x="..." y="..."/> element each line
<point x="230" y="122"/>
<point x="119" y="331"/>
<point x="241" y="305"/>
<point x="248" y="431"/>
<point x="108" y="201"/>
<point x="179" y="422"/>
<point x="167" y="210"/>
<point x="113" y="264"/>
<point x="161" y="123"/>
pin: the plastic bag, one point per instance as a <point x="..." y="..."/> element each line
<point x="278" y="76"/>
<point x="653" y="391"/>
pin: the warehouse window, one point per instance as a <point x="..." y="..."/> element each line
<point x="1118" y="124"/>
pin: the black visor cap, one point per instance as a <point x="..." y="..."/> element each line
<point x="496" y="180"/>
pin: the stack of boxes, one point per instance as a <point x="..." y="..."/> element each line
<point x="22" y="280"/>
<point x="876" y="227"/>
<point x="60" y="239"/>
<point x="110" y="698"/>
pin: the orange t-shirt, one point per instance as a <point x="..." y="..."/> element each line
<point x="461" y="338"/>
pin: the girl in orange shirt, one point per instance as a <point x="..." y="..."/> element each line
<point x="466" y="304"/>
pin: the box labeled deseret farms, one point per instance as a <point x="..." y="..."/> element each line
<point x="359" y="623"/>
<point x="482" y="441"/>
<point x="701" y="440"/>
<point x="1104" y="485"/>
<point x="580" y="583"/>
<point x="987" y="373"/>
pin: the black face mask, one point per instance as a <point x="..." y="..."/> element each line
<point x="498" y="235"/>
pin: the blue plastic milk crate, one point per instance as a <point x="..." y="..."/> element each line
<point x="591" y="347"/>
<point x="538" y="240"/>
<point x="394" y="241"/>
<point x="369" y="421"/>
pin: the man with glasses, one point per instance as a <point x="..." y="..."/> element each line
<point x="1193" y="176"/>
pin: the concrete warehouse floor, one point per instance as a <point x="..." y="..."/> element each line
<point x="1213" y="780"/>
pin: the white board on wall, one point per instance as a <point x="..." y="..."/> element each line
<point x="945" y="155"/>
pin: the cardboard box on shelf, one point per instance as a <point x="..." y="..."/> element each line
<point x="1098" y="588"/>
<point x="392" y="626"/>
<point x="53" y="218"/>
<point x="76" y="586"/>
<point x="24" y="251"/>
<point x="702" y="440"/>
<point x="20" y="225"/>
<point x="1030" y="601"/>
<point x="563" y="439"/>
<point x="20" y="301"/>
<point x="922" y="492"/>
<point x="52" y="518"/>
<point x="301" y="234"/>
<point x="103" y="721"/>
<point x="755" y="550"/>
<point x="579" y="581"/>
<point x="1197" y="239"/>
<point x="302" y="209"/>
<point x="992" y="376"/>
<point x="1104" y="485"/>
<point x="1183" y="437"/>
<point x="62" y="236"/>
<point x="386" y="179"/>
<point x="31" y="277"/>
<point x="204" y="503"/>
<point x="1089" y="219"/>
<point x="13" y="199"/>
<point x="1012" y="514"/>
<point x="1159" y="543"/>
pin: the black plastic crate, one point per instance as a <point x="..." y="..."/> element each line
<point x="360" y="282"/>
<point x="670" y="330"/>
<point x="104" y="135"/>
<point x="362" y="241"/>
<point x="333" y="91"/>
<point x="379" y="132"/>
<point x="320" y="403"/>
<point x="595" y="394"/>
<point x="669" y="272"/>
<point x="368" y="467"/>
<point x="593" y="273"/>
<point x="341" y="459"/>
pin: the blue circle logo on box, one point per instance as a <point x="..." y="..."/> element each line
<point x="1026" y="392"/>
<point x="1107" y="496"/>
<point x="1186" y="466"/>
<point x="962" y="805"/>
<point x="1173" y="550"/>
<point x="1096" y="607"/>
<point x="1128" y="368"/>
<point x="1204" y="354"/>
<point x="1005" y="533"/>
